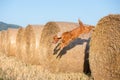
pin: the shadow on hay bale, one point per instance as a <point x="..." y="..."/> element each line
<point x="71" y="57"/>
<point x="105" y="49"/>
<point x="11" y="35"/>
<point x="28" y="43"/>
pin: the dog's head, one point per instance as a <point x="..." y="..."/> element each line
<point x="56" y="39"/>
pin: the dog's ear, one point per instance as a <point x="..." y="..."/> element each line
<point x="55" y="39"/>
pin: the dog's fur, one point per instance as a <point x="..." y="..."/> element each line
<point x="69" y="36"/>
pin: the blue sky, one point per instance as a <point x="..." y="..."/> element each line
<point x="24" y="12"/>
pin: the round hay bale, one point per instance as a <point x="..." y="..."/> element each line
<point x="21" y="45"/>
<point x="11" y="42"/>
<point x="105" y="49"/>
<point x="71" y="58"/>
<point x="32" y="35"/>
<point x="3" y="41"/>
<point x="0" y="42"/>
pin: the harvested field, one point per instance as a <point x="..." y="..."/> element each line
<point x="105" y="49"/>
<point x="72" y="58"/>
<point x="12" y="68"/>
<point x="34" y="54"/>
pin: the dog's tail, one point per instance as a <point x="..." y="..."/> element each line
<point x="80" y="23"/>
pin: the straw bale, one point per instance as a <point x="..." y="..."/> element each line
<point x="0" y="42"/>
<point x="71" y="58"/>
<point x="3" y="41"/>
<point x="105" y="49"/>
<point x="11" y="42"/>
<point x="21" y="45"/>
<point x="32" y="35"/>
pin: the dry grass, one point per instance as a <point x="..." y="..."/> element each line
<point x="70" y="59"/>
<point x="13" y="69"/>
<point x="105" y="49"/>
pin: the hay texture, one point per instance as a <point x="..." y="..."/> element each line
<point x="0" y="42"/>
<point x="3" y="41"/>
<point x="12" y="68"/>
<point x="21" y="45"/>
<point x="71" y="58"/>
<point x="105" y="49"/>
<point x="28" y="40"/>
<point x="32" y="40"/>
<point x="11" y="49"/>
